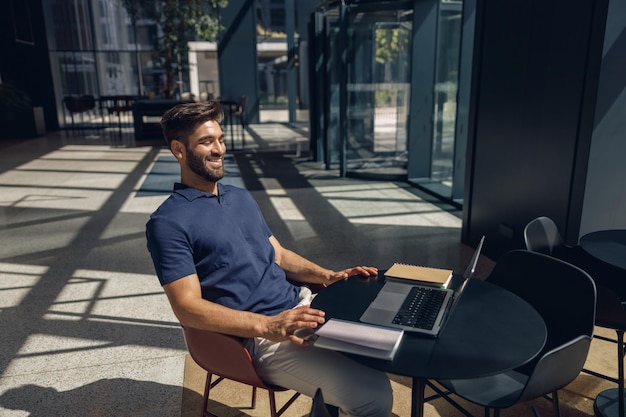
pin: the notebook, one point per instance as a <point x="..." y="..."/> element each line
<point x="415" y="308"/>
<point x="422" y="275"/>
<point x="358" y="338"/>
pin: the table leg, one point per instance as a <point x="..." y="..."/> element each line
<point x="417" y="401"/>
<point x="607" y="403"/>
<point x="610" y="403"/>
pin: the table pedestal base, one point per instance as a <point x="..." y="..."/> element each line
<point x="417" y="401"/>
<point x="606" y="404"/>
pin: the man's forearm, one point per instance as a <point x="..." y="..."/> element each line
<point x="202" y="314"/>
<point x="214" y="317"/>
<point x="301" y="269"/>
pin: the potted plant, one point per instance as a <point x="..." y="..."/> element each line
<point x="18" y="117"/>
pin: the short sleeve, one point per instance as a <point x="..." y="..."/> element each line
<point x="170" y="250"/>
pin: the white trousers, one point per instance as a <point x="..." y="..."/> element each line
<point x="355" y="389"/>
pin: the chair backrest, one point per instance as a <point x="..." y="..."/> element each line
<point x="565" y="297"/>
<point x="557" y="368"/>
<point x="79" y="104"/>
<point x="542" y="235"/>
<point x="88" y="102"/>
<point x="563" y="294"/>
<point x="222" y="355"/>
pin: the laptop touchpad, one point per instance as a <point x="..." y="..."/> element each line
<point x="388" y="300"/>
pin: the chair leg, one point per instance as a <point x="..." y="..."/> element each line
<point x="207" y="391"/>
<point x="273" y="412"/>
<point x="119" y="125"/>
<point x="555" y="404"/>
<point x="243" y="132"/>
<point x="285" y="406"/>
<point x="205" y="398"/>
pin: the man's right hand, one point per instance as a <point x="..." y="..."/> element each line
<point x="282" y="326"/>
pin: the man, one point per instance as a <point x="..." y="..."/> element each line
<point x="224" y="271"/>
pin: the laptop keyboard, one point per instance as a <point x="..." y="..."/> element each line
<point x="420" y="308"/>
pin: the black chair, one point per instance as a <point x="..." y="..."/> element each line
<point x="542" y="281"/>
<point x="119" y="107"/>
<point x="542" y="235"/>
<point x="235" y="108"/>
<point x="79" y="106"/>
<point x="241" y="114"/>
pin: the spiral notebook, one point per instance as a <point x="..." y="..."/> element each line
<point x="416" y="308"/>
<point x="424" y="275"/>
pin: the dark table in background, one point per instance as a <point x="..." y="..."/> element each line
<point x="491" y="331"/>
<point x="147" y="116"/>
<point x="608" y="246"/>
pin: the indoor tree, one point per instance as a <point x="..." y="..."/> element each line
<point x="179" y="21"/>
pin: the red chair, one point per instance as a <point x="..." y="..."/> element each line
<point x="226" y="357"/>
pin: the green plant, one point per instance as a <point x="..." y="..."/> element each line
<point x="12" y="99"/>
<point x="179" y="21"/>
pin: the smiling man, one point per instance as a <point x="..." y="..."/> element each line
<point x="223" y="270"/>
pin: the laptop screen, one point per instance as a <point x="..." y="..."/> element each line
<point x="469" y="272"/>
<point x="471" y="268"/>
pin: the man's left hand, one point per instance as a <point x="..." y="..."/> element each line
<point x="365" y="271"/>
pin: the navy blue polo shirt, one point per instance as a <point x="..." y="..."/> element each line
<point x="224" y="240"/>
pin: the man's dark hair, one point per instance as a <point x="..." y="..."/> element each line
<point x="180" y="121"/>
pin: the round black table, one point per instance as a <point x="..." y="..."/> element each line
<point x="609" y="246"/>
<point x="490" y="331"/>
<point x="606" y="245"/>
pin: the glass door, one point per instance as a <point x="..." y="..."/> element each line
<point x="378" y="90"/>
<point x="434" y="84"/>
<point x="445" y="93"/>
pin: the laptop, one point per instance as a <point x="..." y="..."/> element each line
<point x="415" y="308"/>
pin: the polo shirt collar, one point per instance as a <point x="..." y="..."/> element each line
<point x="191" y="193"/>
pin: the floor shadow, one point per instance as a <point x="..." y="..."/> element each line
<point x="106" y="397"/>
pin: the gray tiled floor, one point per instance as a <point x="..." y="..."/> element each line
<point x="86" y="329"/>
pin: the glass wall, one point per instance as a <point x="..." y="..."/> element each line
<point x="97" y="51"/>
<point x="392" y="78"/>
<point x="333" y="66"/>
<point x="445" y="92"/>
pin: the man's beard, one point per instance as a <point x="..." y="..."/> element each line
<point x="198" y="166"/>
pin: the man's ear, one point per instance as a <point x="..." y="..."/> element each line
<point x="177" y="148"/>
